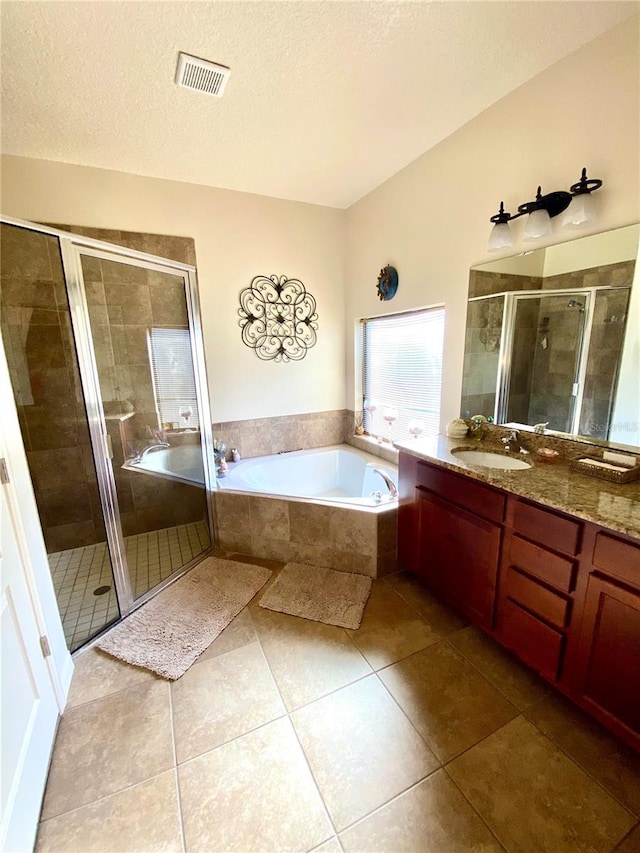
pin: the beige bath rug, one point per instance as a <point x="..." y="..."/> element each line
<point x="168" y="633"/>
<point x="323" y="595"/>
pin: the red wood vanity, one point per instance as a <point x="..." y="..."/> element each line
<point x="562" y="593"/>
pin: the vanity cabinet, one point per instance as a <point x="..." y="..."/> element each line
<point x="538" y="574"/>
<point x="607" y="670"/>
<point x="459" y="529"/>
<point x="563" y="594"/>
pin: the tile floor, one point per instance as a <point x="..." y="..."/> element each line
<point x="415" y="733"/>
<point x="151" y="557"/>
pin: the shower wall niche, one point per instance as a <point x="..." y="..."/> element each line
<point x="76" y="316"/>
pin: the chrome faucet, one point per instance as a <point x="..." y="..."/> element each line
<point x="160" y="446"/>
<point x="393" y="491"/>
<point x="139" y="455"/>
<point x="512" y="442"/>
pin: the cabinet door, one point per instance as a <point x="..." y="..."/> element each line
<point x="610" y="653"/>
<point x="459" y="557"/>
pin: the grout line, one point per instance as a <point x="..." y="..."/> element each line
<point x="295" y="733"/>
<point x="175" y="770"/>
<point x="625" y="837"/>
<point x="575" y="761"/>
<point x="391" y="800"/>
<point x="474" y="809"/>
<point x="411" y="723"/>
<point x="42" y="821"/>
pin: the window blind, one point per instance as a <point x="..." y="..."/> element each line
<point x="174" y="382"/>
<point x="402" y="368"/>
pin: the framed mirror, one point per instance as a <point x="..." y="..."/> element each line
<point x="553" y="337"/>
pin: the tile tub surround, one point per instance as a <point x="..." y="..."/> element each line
<point x="361" y="540"/>
<point x="555" y="485"/>
<point x="265" y="436"/>
<point x="272" y="753"/>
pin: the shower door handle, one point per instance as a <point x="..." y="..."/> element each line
<point x="576" y="389"/>
<point x="108" y="446"/>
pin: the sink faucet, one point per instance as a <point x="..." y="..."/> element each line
<point x="512" y="442"/>
<point x="393" y="491"/>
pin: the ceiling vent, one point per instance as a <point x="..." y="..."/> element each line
<point x="201" y="75"/>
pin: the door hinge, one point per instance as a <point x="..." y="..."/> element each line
<point x="44" y="645"/>
<point x="4" y="473"/>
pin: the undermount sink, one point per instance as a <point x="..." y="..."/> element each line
<point x="487" y="459"/>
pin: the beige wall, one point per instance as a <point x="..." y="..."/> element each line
<point x="431" y="220"/>
<point x="237" y="236"/>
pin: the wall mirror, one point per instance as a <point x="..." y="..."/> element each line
<point x="553" y="336"/>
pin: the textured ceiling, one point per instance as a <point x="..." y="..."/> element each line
<point x="326" y="99"/>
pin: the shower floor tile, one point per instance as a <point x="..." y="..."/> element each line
<point x="79" y="572"/>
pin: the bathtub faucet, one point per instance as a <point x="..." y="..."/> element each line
<point x="393" y="491"/>
<point x="140" y="456"/>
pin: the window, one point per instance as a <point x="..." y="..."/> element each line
<point x="402" y="369"/>
<point x="174" y="382"/>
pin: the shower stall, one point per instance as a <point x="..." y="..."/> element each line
<point x="105" y="355"/>
<point x="550" y="356"/>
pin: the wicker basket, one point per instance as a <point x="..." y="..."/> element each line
<point x="627" y="476"/>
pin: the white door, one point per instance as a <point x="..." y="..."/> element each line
<point x="28" y="705"/>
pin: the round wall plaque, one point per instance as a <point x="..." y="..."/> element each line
<point x="387" y="283"/>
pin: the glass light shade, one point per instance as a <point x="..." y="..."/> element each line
<point x="538" y="225"/>
<point x="580" y="213"/>
<point x="500" y="237"/>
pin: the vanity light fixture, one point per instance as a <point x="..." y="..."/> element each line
<point x="577" y="203"/>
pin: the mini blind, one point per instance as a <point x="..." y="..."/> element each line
<point x="402" y="369"/>
<point x="174" y="382"/>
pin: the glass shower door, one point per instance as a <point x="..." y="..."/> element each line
<point x="43" y="365"/>
<point x="139" y="325"/>
<point x="544" y="384"/>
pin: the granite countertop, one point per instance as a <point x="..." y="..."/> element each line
<point x="551" y="484"/>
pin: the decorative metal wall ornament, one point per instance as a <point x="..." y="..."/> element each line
<point x="387" y="283"/>
<point x="278" y="318"/>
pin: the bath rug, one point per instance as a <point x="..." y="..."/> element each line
<point x="168" y="633"/>
<point x="319" y="594"/>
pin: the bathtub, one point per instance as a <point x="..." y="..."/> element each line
<point x="182" y="464"/>
<point x="338" y="474"/>
<point x="312" y="506"/>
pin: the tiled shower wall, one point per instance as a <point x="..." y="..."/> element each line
<point x="484" y="283"/>
<point x="37" y="338"/>
<point x="541" y="377"/>
<point x="481" y="356"/>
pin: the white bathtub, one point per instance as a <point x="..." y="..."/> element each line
<point x="339" y="473"/>
<point x="183" y="464"/>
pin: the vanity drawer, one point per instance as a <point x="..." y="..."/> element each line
<point x="550" y="568"/>
<point x="618" y="558"/>
<point x="536" y="597"/>
<point x="479" y="499"/>
<point x="534" y="642"/>
<point x="551" y="530"/>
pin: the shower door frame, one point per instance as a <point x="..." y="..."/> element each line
<point x="72" y="247"/>
<point x="505" y="357"/>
